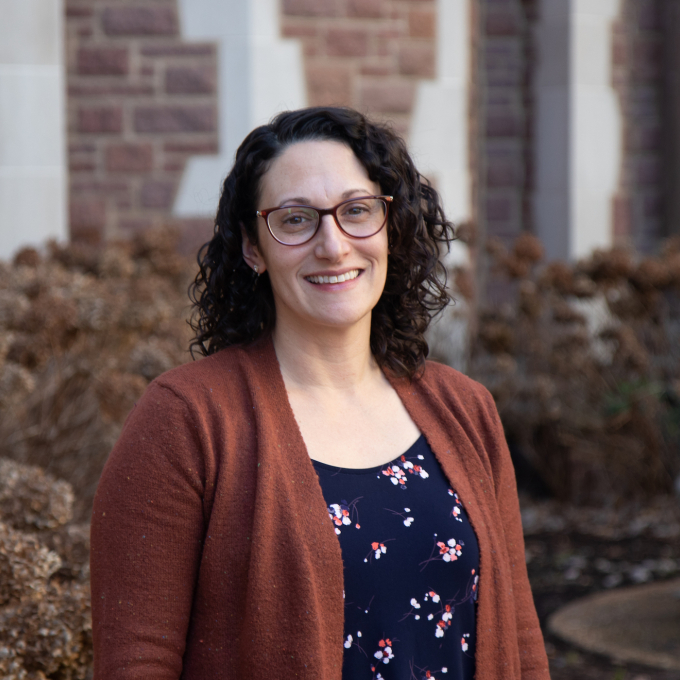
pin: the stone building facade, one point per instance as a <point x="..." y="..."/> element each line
<point x="141" y="101"/>
<point x="542" y="93"/>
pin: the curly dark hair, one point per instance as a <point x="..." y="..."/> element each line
<point x="233" y="307"/>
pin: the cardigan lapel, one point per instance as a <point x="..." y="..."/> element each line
<point x="292" y="521"/>
<point x="442" y="416"/>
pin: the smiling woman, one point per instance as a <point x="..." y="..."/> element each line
<point x="314" y="499"/>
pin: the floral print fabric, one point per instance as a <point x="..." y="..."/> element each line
<point x="411" y="568"/>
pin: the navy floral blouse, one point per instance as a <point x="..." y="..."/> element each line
<point x="411" y="569"/>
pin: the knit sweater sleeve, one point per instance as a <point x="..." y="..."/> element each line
<point x="533" y="658"/>
<point x="146" y="541"/>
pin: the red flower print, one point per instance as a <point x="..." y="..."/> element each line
<point x="451" y="550"/>
<point x="384" y="654"/>
<point x="475" y="581"/>
<point x="340" y="513"/>
<point x="432" y="595"/>
<point x="448" y="552"/>
<point x="419" y="471"/>
<point x="396" y="471"/>
<point x="424" y="674"/>
<point x="396" y="475"/>
<point x="378" y="549"/>
<point x="457" y="507"/>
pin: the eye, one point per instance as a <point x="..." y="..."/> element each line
<point x="293" y="218"/>
<point x="355" y="210"/>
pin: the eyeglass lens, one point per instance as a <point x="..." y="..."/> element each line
<point x="297" y="224"/>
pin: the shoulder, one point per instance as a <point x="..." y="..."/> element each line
<point x="223" y="368"/>
<point x="448" y="382"/>
<point x="216" y="385"/>
<point x="445" y="390"/>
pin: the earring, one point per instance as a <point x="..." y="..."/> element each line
<point x="256" y="269"/>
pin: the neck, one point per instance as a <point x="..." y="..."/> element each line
<point x="326" y="359"/>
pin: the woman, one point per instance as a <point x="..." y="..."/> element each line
<point x="313" y="499"/>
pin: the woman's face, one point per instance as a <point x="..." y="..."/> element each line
<point x="320" y="174"/>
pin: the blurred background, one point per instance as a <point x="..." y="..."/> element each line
<point x="551" y="129"/>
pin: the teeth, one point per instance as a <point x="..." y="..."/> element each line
<point x="334" y="279"/>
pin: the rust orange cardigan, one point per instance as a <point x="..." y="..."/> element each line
<point x="212" y="553"/>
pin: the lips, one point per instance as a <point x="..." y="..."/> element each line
<point x="340" y="278"/>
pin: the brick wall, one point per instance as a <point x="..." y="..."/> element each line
<point x="638" y="78"/>
<point x="368" y="54"/>
<point x="140" y="102"/>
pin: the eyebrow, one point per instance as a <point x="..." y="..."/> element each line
<point x="303" y="200"/>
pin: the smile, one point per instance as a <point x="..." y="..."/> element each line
<point x="347" y="276"/>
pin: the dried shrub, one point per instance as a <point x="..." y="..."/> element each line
<point x="584" y="366"/>
<point x="45" y="624"/>
<point x="31" y="499"/>
<point x="48" y="638"/>
<point x="82" y="332"/>
<point x="25" y="566"/>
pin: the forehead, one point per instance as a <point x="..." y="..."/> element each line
<point x="317" y="170"/>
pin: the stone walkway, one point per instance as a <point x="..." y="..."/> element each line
<point x="639" y="624"/>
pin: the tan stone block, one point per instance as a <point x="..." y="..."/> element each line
<point x="388" y="97"/>
<point x="329" y="85"/>
<point x="346" y="42"/>
<point x="417" y="60"/>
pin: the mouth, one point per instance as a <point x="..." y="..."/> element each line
<point x="340" y="278"/>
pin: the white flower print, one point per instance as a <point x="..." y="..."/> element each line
<point x="431" y="594"/>
<point x="407" y="520"/>
<point x="450" y="551"/>
<point x="384" y="654"/>
<point x="463" y="642"/>
<point x="447" y="552"/>
<point x="348" y="641"/>
<point x="340" y="513"/>
<point x="378" y="549"/>
<point x="396" y="471"/>
<point x="414" y="603"/>
<point x="396" y="475"/>
<point x="457" y="507"/>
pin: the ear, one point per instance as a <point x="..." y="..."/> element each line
<point x="251" y="253"/>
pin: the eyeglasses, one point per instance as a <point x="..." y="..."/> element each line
<point x="361" y="217"/>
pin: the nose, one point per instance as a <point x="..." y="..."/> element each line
<point x="331" y="243"/>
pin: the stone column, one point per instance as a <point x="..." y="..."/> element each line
<point x="578" y="127"/>
<point x="32" y="124"/>
<point x="670" y="22"/>
<point x="260" y="74"/>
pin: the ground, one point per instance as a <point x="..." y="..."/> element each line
<point x="572" y="553"/>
